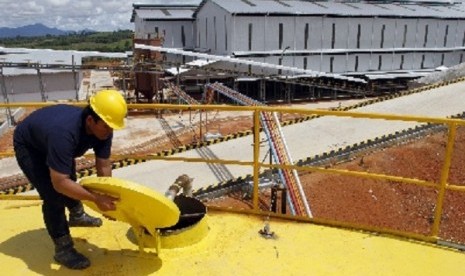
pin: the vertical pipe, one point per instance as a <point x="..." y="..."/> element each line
<point x="256" y="154"/>
<point x="444" y="178"/>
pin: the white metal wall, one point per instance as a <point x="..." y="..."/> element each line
<point x="26" y="88"/>
<point x="213" y="30"/>
<point x="170" y="30"/>
<point x="266" y="33"/>
<point x="395" y="35"/>
<point x="362" y="43"/>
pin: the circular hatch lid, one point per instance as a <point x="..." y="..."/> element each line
<point x="137" y="205"/>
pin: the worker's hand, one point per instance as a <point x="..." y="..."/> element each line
<point x="105" y="202"/>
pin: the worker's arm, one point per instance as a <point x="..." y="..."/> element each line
<point x="103" y="166"/>
<point x="65" y="185"/>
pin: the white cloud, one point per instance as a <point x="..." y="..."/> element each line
<point x="31" y="8"/>
<point x="83" y="5"/>
<point x="57" y="2"/>
<point x="75" y="15"/>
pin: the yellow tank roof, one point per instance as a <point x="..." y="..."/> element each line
<point x="232" y="246"/>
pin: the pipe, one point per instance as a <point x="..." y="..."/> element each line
<point x="183" y="182"/>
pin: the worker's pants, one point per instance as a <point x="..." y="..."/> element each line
<point x="34" y="166"/>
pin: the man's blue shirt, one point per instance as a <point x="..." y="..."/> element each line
<point x="58" y="134"/>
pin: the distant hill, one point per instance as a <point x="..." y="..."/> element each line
<point x="31" y="31"/>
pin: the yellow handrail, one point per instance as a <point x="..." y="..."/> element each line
<point x="442" y="186"/>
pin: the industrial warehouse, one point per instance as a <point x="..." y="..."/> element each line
<point x="347" y="48"/>
<point x="278" y="137"/>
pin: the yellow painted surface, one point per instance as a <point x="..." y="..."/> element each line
<point x="231" y="247"/>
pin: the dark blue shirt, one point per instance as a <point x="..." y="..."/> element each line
<point x="58" y="134"/>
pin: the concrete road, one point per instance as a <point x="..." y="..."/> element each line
<point x="304" y="140"/>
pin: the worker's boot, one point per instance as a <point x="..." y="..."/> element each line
<point x="66" y="255"/>
<point x="77" y="217"/>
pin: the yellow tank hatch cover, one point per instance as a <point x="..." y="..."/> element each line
<point x="137" y="205"/>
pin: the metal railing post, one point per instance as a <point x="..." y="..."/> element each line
<point x="256" y="155"/>
<point x="444" y="178"/>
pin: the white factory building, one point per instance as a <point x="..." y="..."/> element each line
<point x="341" y="37"/>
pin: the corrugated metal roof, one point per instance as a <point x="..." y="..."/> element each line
<point x="165" y="13"/>
<point x="409" y="9"/>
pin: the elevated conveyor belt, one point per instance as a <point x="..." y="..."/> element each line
<point x="272" y="128"/>
<point x="181" y="94"/>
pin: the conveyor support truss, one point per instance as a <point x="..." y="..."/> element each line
<point x="279" y="150"/>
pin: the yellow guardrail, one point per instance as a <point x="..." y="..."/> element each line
<point x="442" y="186"/>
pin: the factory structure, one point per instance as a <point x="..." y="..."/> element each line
<point x="273" y="51"/>
<point x="346" y="48"/>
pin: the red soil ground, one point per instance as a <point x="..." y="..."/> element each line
<point x="386" y="204"/>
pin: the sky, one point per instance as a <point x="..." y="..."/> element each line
<point x="74" y="15"/>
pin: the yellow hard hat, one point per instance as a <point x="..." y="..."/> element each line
<point x="111" y="107"/>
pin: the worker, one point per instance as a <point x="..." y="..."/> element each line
<point x="46" y="144"/>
